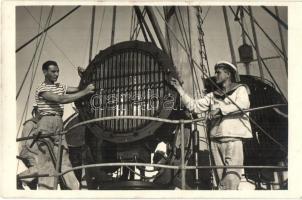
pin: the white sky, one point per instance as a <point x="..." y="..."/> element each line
<point x="72" y="37"/>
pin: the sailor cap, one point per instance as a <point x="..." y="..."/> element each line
<point x="225" y="63"/>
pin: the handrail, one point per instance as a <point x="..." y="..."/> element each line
<point x="147" y="118"/>
<point x="165" y="120"/>
<point x="158" y="166"/>
<point x="133" y="117"/>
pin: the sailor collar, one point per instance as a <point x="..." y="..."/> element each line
<point x="220" y="95"/>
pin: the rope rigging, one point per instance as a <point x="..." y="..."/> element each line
<point x="280" y="21"/>
<point x="230" y="40"/>
<point x="35" y="70"/>
<point x="32" y="75"/>
<point x="50" y="38"/>
<point x="205" y="66"/>
<point x="217" y="87"/>
<point x="187" y="46"/>
<point x="46" y="29"/>
<point x="139" y="18"/>
<point x="91" y="33"/>
<point x="137" y="28"/>
<point x="39" y="27"/>
<point x="282" y="40"/>
<point x="257" y="49"/>
<point x="101" y="27"/>
<point x="284" y="57"/>
<point x="270" y="74"/>
<point x="131" y="22"/>
<point x="113" y="25"/>
<point x="134" y="25"/>
<point x="144" y="25"/>
<point x="91" y="37"/>
<point x="207" y="12"/>
<point x="38" y="35"/>
<point x="203" y="52"/>
<point x="86" y="49"/>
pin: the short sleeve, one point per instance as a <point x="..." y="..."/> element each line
<point x="41" y="89"/>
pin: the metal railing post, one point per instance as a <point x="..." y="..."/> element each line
<point x="196" y="154"/>
<point x="183" y="170"/>
<point x="58" y="163"/>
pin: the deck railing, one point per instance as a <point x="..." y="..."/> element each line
<point x="182" y="165"/>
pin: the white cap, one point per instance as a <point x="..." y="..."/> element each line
<point x="226" y="63"/>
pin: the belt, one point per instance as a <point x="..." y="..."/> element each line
<point x="225" y="139"/>
<point x="52" y="114"/>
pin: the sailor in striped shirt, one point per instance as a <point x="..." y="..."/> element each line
<point x="50" y="97"/>
<point x="46" y="107"/>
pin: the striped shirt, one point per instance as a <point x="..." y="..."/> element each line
<point x="46" y="107"/>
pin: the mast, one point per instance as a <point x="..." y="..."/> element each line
<point x="227" y="25"/>
<point x="246" y="64"/>
<point x="157" y="29"/>
<point x="113" y="25"/>
<point x="256" y="43"/>
<point x="144" y="25"/>
<point x="91" y="33"/>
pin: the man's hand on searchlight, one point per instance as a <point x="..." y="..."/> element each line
<point x="81" y="70"/>
<point x="175" y="83"/>
<point x="90" y="89"/>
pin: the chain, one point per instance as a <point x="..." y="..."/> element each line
<point x="203" y="63"/>
<point x="202" y="52"/>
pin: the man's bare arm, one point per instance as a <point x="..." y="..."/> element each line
<point x="71" y="90"/>
<point x="68" y="98"/>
